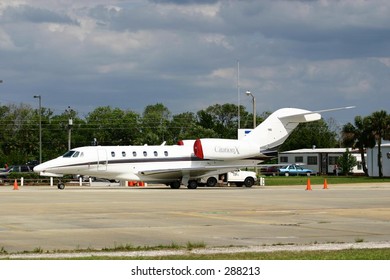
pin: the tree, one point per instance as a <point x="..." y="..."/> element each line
<point x="18" y="134"/>
<point x="112" y="126"/>
<point x="48" y="151"/>
<point x="186" y="126"/>
<point x="55" y="136"/>
<point x="359" y="136"/>
<point x="220" y="118"/>
<point x="379" y="126"/>
<point x="347" y="162"/>
<point x="154" y="125"/>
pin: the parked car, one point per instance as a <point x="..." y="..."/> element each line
<point x="32" y="163"/>
<point x="15" y="168"/>
<point x="293" y="169"/>
<point x="269" y="170"/>
<point x="21" y="168"/>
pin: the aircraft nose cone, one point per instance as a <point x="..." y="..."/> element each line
<point x="38" y="168"/>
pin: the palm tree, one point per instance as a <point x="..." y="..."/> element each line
<point x="379" y="126"/>
<point x="387" y="129"/>
<point x="359" y="136"/>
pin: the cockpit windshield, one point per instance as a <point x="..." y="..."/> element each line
<point x="73" y="154"/>
<point x="68" y="154"/>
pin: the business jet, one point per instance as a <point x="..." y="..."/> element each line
<point x="180" y="164"/>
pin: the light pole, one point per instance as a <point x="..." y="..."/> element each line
<point x="40" y="127"/>
<point x="70" y="124"/>
<point x="254" y="107"/>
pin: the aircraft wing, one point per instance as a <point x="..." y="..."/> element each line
<point x="197" y="172"/>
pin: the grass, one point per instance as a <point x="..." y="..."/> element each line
<point x="350" y="254"/>
<point x="131" y="248"/>
<point x="319" y="180"/>
<point x="347" y="254"/>
<point x="116" y="248"/>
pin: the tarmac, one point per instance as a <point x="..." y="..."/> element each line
<point x="43" y="218"/>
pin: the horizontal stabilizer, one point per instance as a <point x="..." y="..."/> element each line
<point x="335" y="109"/>
<point x="309" y="116"/>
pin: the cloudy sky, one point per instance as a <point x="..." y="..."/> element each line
<point x="130" y="54"/>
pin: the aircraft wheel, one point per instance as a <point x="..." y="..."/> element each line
<point x="248" y="182"/>
<point x="175" y="185"/>
<point x="61" y="186"/>
<point x="211" y="182"/>
<point x="192" y="184"/>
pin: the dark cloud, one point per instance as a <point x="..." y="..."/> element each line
<point x="35" y="15"/>
<point x="184" y="2"/>
<point x="309" y="54"/>
<point x="150" y="18"/>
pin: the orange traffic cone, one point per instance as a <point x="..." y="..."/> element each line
<point x="325" y="184"/>
<point x="308" y="185"/>
<point x="16" y="187"/>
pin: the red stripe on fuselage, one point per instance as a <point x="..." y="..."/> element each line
<point x="198" y="150"/>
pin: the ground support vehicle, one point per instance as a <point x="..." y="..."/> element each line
<point x="239" y="178"/>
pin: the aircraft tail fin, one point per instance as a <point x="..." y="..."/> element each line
<point x="280" y="124"/>
<point x="269" y="134"/>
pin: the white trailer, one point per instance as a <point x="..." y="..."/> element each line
<point x="320" y="160"/>
<point x="372" y="160"/>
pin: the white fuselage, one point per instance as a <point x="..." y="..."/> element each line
<point x="162" y="164"/>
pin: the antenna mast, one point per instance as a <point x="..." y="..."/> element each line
<point x="238" y="95"/>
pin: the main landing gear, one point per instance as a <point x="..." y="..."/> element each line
<point x="175" y="184"/>
<point x="192" y="184"/>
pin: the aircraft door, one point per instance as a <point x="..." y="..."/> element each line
<point x="102" y="160"/>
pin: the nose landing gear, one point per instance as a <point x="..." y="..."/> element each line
<point x="60" y="185"/>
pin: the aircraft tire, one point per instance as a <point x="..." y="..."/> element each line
<point x="175" y="185"/>
<point x="192" y="184"/>
<point x="249" y="182"/>
<point x="61" y="186"/>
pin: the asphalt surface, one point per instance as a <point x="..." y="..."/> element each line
<point x="101" y="216"/>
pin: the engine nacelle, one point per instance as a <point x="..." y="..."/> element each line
<point x="224" y="149"/>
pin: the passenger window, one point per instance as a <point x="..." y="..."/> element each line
<point x="145" y="153"/>
<point x="166" y="153"/>
<point x="155" y="153"/>
<point x="134" y="154"/>
<point x="113" y="154"/>
<point x="123" y="154"/>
